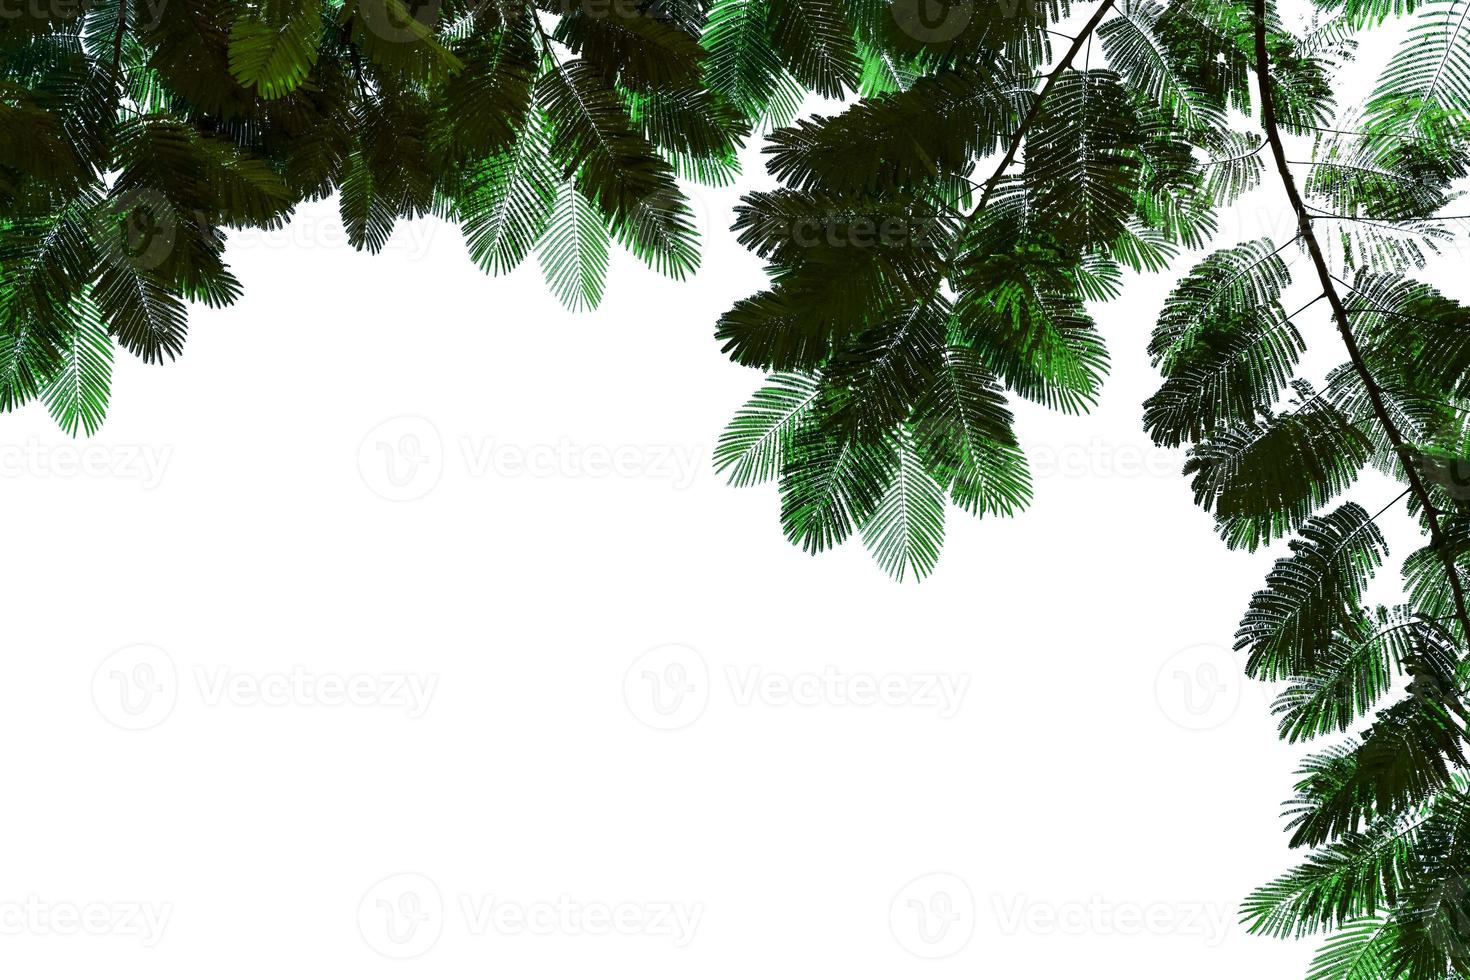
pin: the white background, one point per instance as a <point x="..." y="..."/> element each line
<point x="1103" y="797"/>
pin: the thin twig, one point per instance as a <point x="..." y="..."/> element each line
<point x="1019" y="136"/>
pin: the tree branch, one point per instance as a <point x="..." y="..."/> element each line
<point x="1344" y="324"/>
<point x="1029" y="120"/>
<point x="1019" y="136"/>
<point x="117" y="40"/>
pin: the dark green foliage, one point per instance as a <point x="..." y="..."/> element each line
<point x="1264" y="478"/>
<point x="1224" y="345"/>
<point x="1273" y="455"/>
<point x="1313" y="597"/>
<point x="132" y="139"/>
<point x="933" y="248"/>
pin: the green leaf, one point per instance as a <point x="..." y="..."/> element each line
<point x="142" y="311"/>
<point x="1136" y="51"/>
<point x="934" y="129"/>
<point x="574" y="250"/>
<point x="1224" y="345"/>
<point x="1266" y="478"/>
<point x="1364" y="950"/>
<point x="486" y="106"/>
<point x="963" y="427"/>
<point x="368" y="213"/>
<point x="743" y="64"/>
<point x="506" y="201"/>
<point x="1033" y="334"/>
<point x="617" y="169"/>
<point x="761" y="433"/>
<point x="1356" y="671"/>
<point x="906" y="531"/>
<point x="77" y="393"/>
<point x="1425" y="90"/>
<point x="1357" y="877"/>
<point x="26" y="362"/>
<point x="1084" y="159"/>
<point x="816" y="42"/>
<point x="1312" y="595"/>
<point x="273" y="51"/>
<point x="831" y="486"/>
<point x="1410" y="752"/>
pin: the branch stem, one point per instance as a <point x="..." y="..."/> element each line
<point x="1019" y="136"/>
<point x="117" y="40"/>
